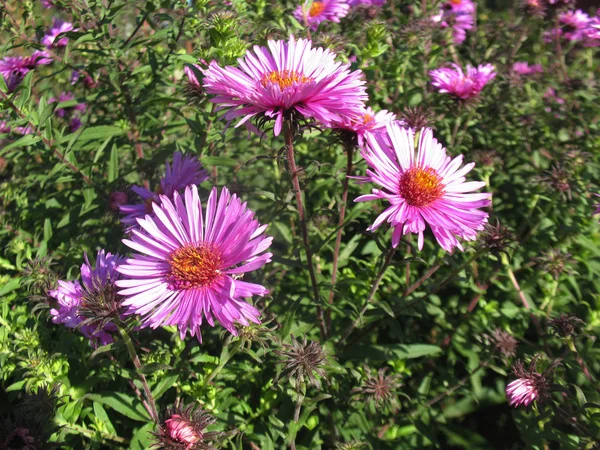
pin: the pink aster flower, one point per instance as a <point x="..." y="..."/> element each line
<point x="426" y="188"/>
<point x="574" y="26"/>
<point x="460" y="84"/>
<point x="365" y="120"/>
<point x="523" y="68"/>
<point x="47" y="3"/>
<point x="530" y="385"/>
<point x="14" y="68"/>
<point x="191" y="263"/>
<point x="288" y="77"/>
<point x="458" y="14"/>
<point x="179" y="429"/>
<point x="316" y="11"/>
<point x="72" y="296"/>
<point x="184" y="171"/>
<point x="192" y="79"/>
<point x="59" y="26"/>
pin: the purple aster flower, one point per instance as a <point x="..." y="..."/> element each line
<point x="14" y="68"/>
<point x="47" y="3"/>
<point x="66" y="111"/>
<point x="191" y="263"/>
<point x="73" y="295"/>
<point x="460" y="84"/>
<point x="184" y="171"/>
<point x="592" y="33"/>
<point x="4" y="127"/>
<point x="288" y="77"/>
<point x="354" y="3"/>
<point x="574" y="26"/>
<point x="312" y="13"/>
<point x="426" y="188"/>
<point x="59" y="26"/>
<point x="523" y="68"/>
<point x="365" y="120"/>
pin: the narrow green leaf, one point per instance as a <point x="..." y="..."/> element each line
<point x="113" y="165"/>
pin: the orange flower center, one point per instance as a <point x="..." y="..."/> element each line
<point x="456" y="2"/>
<point x="316" y="9"/>
<point x="420" y="186"/>
<point x="194" y="266"/>
<point x="284" y="78"/>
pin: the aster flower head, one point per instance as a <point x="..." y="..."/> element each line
<point x="302" y="360"/>
<point x="189" y="263"/>
<point x="424" y="186"/>
<point x="69" y="112"/>
<point x="364" y="120"/>
<point x="459" y="15"/>
<point x="184" y="428"/>
<point x="314" y="12"/>
<point x="90" y="298"/>
<point x="497" y="238"/>
<point x="574" y="25"/>
<point x="459" y="84"/>
<point x="503" y="343"/>
<point x="417" y="117"/>
<point x="289" y="78"/>
<point x="530" y="385"/>
<point x="59" y="26"/>
<point x="185" y="170"/>
<point x="14" y="68"/>
<point x="379" y="389"/>
<point x="566" y="325"/>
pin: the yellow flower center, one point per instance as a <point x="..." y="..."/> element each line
<point x="456" y="2"/>
<point x="194" y="266"/>
<point x="316" y="9"/>
<point x="420" y="186"/>
<point x="284" y="78"/>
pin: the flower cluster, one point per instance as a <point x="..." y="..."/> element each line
<point x="576" y="26"/>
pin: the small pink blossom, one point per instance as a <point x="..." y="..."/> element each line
<point x="462" y="85"/>
<point x="14" y="68"/>
<point x="523" y="68"/>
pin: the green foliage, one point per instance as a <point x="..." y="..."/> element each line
<point x="431" y="319"/>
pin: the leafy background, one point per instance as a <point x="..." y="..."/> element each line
<point x="538" y="157"/>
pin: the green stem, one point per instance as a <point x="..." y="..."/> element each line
<point x="223" y="362"/>
<point x="138" y="367"/>
<point x="386" y="263"/>
<point x="288" y="132"/>
<point x="91" y="433"/>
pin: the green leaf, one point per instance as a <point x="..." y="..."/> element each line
<point x="113" y="165"/>
<point x="100" y="414"/>
<point x="124" y="404"/>
<point x="142" y="439"/>
<point x="25" y="141"/>
<point x="97" y="133"/>
<point x="47" y="229"/>
<point x="3" y="86"/>
<point x="164" y="385"/>
<point x="391" y="351"/>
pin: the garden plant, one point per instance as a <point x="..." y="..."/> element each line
<point x="326" y="224"/>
